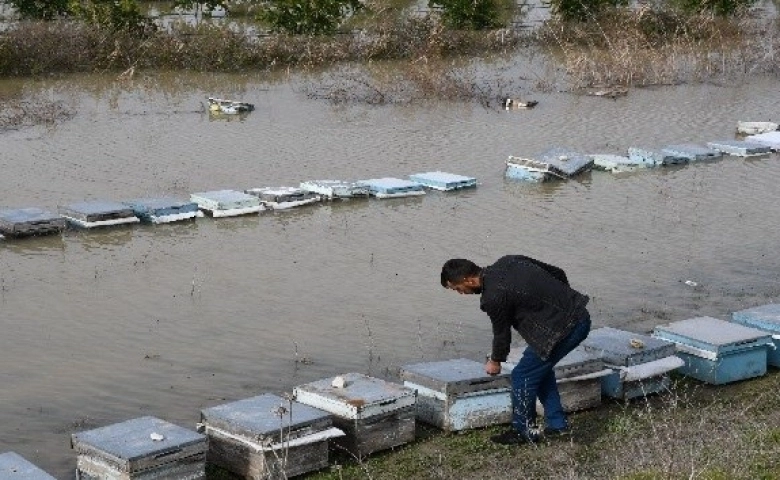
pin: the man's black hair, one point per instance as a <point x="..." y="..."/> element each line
<point x="457" y="269"/>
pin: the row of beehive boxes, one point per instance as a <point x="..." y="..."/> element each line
<point x="273" y="437"/>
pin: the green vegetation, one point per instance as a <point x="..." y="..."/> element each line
<point x="309" y="17"/>
<point x="468" y="14"/>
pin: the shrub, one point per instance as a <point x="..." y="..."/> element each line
<point x="111" y="14"/>
<point x="468" y="14"/>
<point x="582" y="10"/>
<point x="312" y="17"/>
<point x="40" y="10"/>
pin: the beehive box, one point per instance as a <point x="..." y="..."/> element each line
<point x="691" y="152"/>
<point x="578" y="375"/>
<point x="639" y="363"/>
<point x="227" y="203"/>
<point x="282" y="198"/>
<point x="716" y="351"/>
<point x="652" y="157"/>
<point x="14" y="466"/>
<point x="564" y="162"/>
<point x="163" y="210"/>
<point x="618" y="163"/>
<point x="770" y="139"/>
<point x="144" y="448"/>
<point x="443" y="181"/>
<point x="332" y="189"/>
<point x="527" y="169"/>
<point x="458" y="394"/>
<point x="98" y="213"/>
<point x="766" y="318"/>
<point x="753" y="128"/>
<point x="374" y="414"/>
<point x="24" y="222"/>
<point x="740" y="148"/>
<point x="392" y="187"/>
<point x="268" y="437"/>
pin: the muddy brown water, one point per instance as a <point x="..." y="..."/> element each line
<point x="103" y="326"/>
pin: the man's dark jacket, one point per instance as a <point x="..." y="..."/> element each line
<point x="534" y="298"/>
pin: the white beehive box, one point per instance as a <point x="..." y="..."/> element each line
<point x="333" y="189"/>
<point x="692" y="152"/>
<point x="458" y="394"/>
<point x="392" y="187"/>
<point x="770" y="139"/>
<point x="145" y="448"/>
<point x="227" y="203"/>
<point x="98" y="213"/>
<point x="282" y="198"/>
<point x="268" y="437"/>
<point x="374" y="414"/>
<point x="15" y="467"/>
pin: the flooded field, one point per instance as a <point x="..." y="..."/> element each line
<point x="102" y="326"/>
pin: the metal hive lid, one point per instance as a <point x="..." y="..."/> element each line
<point x="97" y="207"/>
<point x="14" y="466"/>
<point x="225" y="196"/>
<point x="459" y="375"/>
<point x="708" y="331"/>
<point x="389" y="183"/>
<point x="261" y="417"/>
<point x="22" y="215"/>
<point x="765" y="316"/>
<point x="565" y="161"/>
<point x="615" y="346"/>
<point x="362" y="395"/>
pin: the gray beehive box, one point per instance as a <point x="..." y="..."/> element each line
<point x="98" y="213"/>
<point x="268" y="437"/>
<point x="374" y="414"/>
<point x="24" y="222"/>
<point x="144" y="448"/>
<point x="14" y="466"/>
<point x="740" y="148"/>
<point x="458" y="394"/>
<point x="691" y="152"/>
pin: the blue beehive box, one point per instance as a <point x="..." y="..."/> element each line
<point x="458" y="394"/>
<point x="98" y="213"/>
<point x="766" y="318"/>
<point x="716" y="351"/>
<point x="691" y="152"/>
<point x="142" y="448"/>
<point x="373" y="413"/>
<point x="639" y="363"/>
<point x="24" y="222"/>
<point x="443" y="181"/>
<point x="268" y="437"/>
<point x="163" y="210"/>
<point x="770" y="139"/>
<point x="14" y="466"/>
<point x="227" y="203"/>
<point x="392" y="187"/>
<point x="740" y="148"/>
<point x="652" y="157"/>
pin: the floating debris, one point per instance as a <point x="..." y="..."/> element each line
<point x="740" y="148"/>
<point x="227" y="203"/>
<point x="610" y="92"/>
<point x="512" y="104"/>
<point x="282" y="198"/>
<point x="163" y="210"/>
<point x="24" y="222"/>
<point x="392" y="187"/>
<point x="98" y="213"/>
<point x="332" y="189"/>
<point x="443" y="181"/>
<point x="229" y="107"/>
<point x="753" y="128"/>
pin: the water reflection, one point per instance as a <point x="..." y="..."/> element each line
<point x="104" y="238"/>
<point x="36" y="245"/>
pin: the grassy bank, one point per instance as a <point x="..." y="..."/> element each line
<point x="694" y="432"/>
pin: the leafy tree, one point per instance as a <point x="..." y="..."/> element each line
<point x="113" y="14"/>
<point x="313" y="17"/>
<point x="40" y="9"/>
<point x="468" y="14"/>
<point x="582" y="10"/>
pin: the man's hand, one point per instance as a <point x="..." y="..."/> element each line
<point x="492" y="368"/>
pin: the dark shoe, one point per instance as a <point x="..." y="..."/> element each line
<point x="557" y="432"/>
<point x="512" y="437"/>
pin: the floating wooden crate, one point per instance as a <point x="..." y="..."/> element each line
<point x="374" y="414"/>
<point x="766" y="318"/>
<point x="332" y="189"/>
<point x="617" y="163"/>
<point x="458" y="394"/>
<point x="268" y="437"/>
<point x="652" y="157"/>
<point x="770" y="139"/>
<point x="163" y="210"/>
<point x="98" y="213"/>
<point x="145" y="448"/>
<point x="639" y="363"/>
<point x="692" y="152"/>
<point x="753" y="128"/>
<point x="740" y="148"/>
<point x="578" y="374"/>
<point x="443" y="181"/>
<point x="282" y="198"/>
<point x="392" y="187"/>
<point x="14" y="466"/>
<point x="227" y="203"/>
<point x="23" y="222"/>
<point x="716" y="351"/>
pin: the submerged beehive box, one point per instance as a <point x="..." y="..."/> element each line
<point x="652" y="157"/>
<point x="753" y="128"/>
<point x="716" y="351"/>
<point x="766" y="318"/>
<point x="552" y="163"/>
<point x="691" y="152"/>
<point x="740" y="148"/>
<point x="527" y="169"/>
<point x="332" y="189"/>
<point x="227" y="203"/>
<point x="443" y="181"/>
<point x="458" y="394"/>
<point x="23" y="222"/>
<point x="163" y="210"/>
<point x="144" y="448"/>
<point x="770" y="139"/>
<point x="639" y="363"/>
<point x="282" y="198"/>
<point x="374" y="414"/>
<point x="578" y="376"/>
<point x="14" y="466"/>
<point x="98" y="213"/>
<point x="618" y="163"/>
<point x="392" y="187"/>
<point x="268" y="437"/>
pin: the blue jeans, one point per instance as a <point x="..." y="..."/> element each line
<point x="534" y="377"/>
